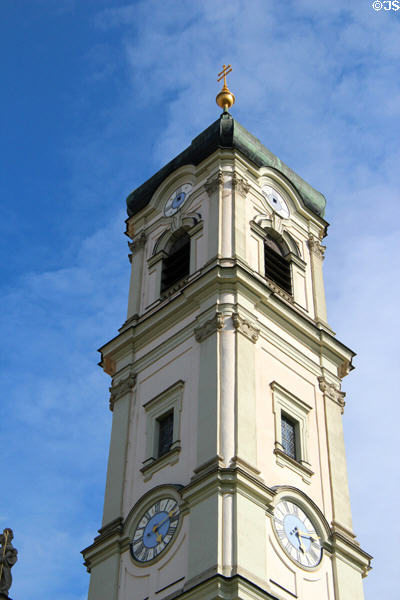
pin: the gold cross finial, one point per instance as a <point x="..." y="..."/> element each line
<point x="225" y="99"/>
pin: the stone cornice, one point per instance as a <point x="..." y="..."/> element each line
<point x="108" y="364"/>
<point x="105" y="544"/>
<point x="332" y="391"/>
<point x="216" y="323"/>
<point x="238" y="477"/>
<point x="208" y="284"/>
<point x="211" y="584"/>
<point x="245" y="327"/>
<point x="122" y="387"/>
<point x="344" y="547"/>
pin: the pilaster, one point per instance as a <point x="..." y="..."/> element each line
<point x="207" y="335"/>
<point x="317" y="251"/>
<point x="213" y="187"/>
<point x="137" y="247"/>
<point x="334" y="404"/>
<point x="121" y="393"/>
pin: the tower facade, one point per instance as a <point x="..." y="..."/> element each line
<point x="227" y="471"/>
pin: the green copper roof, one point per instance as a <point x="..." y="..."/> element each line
<point x="225" y="132"/>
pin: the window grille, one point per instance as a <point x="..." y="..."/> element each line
<point x="176" y="265"/>
<point x="165" y="433"/>
<point x="277" y="267"/>
<point x="288" y="436"/>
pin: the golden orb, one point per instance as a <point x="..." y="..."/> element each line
<point x="225" y="99"/>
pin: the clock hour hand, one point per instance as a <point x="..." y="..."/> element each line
<point x="300" y="542"/>
<point x="311" y="536"/>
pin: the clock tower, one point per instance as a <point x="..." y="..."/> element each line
<point x="227" y="471"/>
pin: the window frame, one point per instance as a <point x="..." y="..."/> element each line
<point x="168" y="401"/>
<point x="295" y="409"/>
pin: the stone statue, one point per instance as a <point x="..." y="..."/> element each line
<point x="8" y="558"/>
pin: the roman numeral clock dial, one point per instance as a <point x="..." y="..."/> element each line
<point x="297" y="534"/>
<point x="177" y="199"/>
<point x="155" y="529"/>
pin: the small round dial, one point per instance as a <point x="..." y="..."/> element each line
<point x="275" y="201"/>
<point x="177" y="199"/>
<point x="297" y="534"/>
<point x="155" y="529"/>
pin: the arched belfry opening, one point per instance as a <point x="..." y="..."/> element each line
<point x="176" y="263"/>
<point x="277" y="262"/>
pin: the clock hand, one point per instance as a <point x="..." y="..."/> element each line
<point x="308" y="535"/>
<point x="170" y="514"/>
<point x="300" y="542"/>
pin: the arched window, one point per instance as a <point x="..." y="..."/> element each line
<point x="176" y="265"/>
<point x="277" y="264"/>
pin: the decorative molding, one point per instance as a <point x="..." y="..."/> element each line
<point x="246" y="327"/>
<point x="132" y="321"/>
<point x="106" y="544"/>
<point x="278" y="290"/>
<point x="138" y="242"/>
<point x="174" y="288"/>
<point x="184" y="221"/>
<point x="341" y="529"/>
<point x="344" y="546"/>
<point x="214" y="183"/>
<point x="244" y="465"/>
<point x="302" y="468"/>
<point x="124" y="386"/>
<point x="316" y="247"/>
<point x="260" y="224"/>
<point x="151" y="465"/>
<point x="114" y="526"/>
<point x="210" y="465"/>
<point x="332" y="392"/>
<point x="240" y="185"/>
<point x="209" y="327"/>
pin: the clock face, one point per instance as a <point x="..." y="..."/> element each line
<point x="275" y="201"/>
<point x="297" y="534"/>
<point x="177" y="199"/>
<point x="155" y="530"/>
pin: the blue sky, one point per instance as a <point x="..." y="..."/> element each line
<point x="96" y="96"/>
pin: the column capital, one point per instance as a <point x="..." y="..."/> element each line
<point x="246" y="327"/>
<point x="138" y="242"/>
<point x="214" y="183"/>
<point x="240" y="185"/>
<point x="209" y="327"/>
<point x="316" y="247"/>
<point x="122" y="387"/>
<point x="332" y="391"/>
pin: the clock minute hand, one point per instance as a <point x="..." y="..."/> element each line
<point x="311" y="536"/>
<point x="170" y="514"/>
